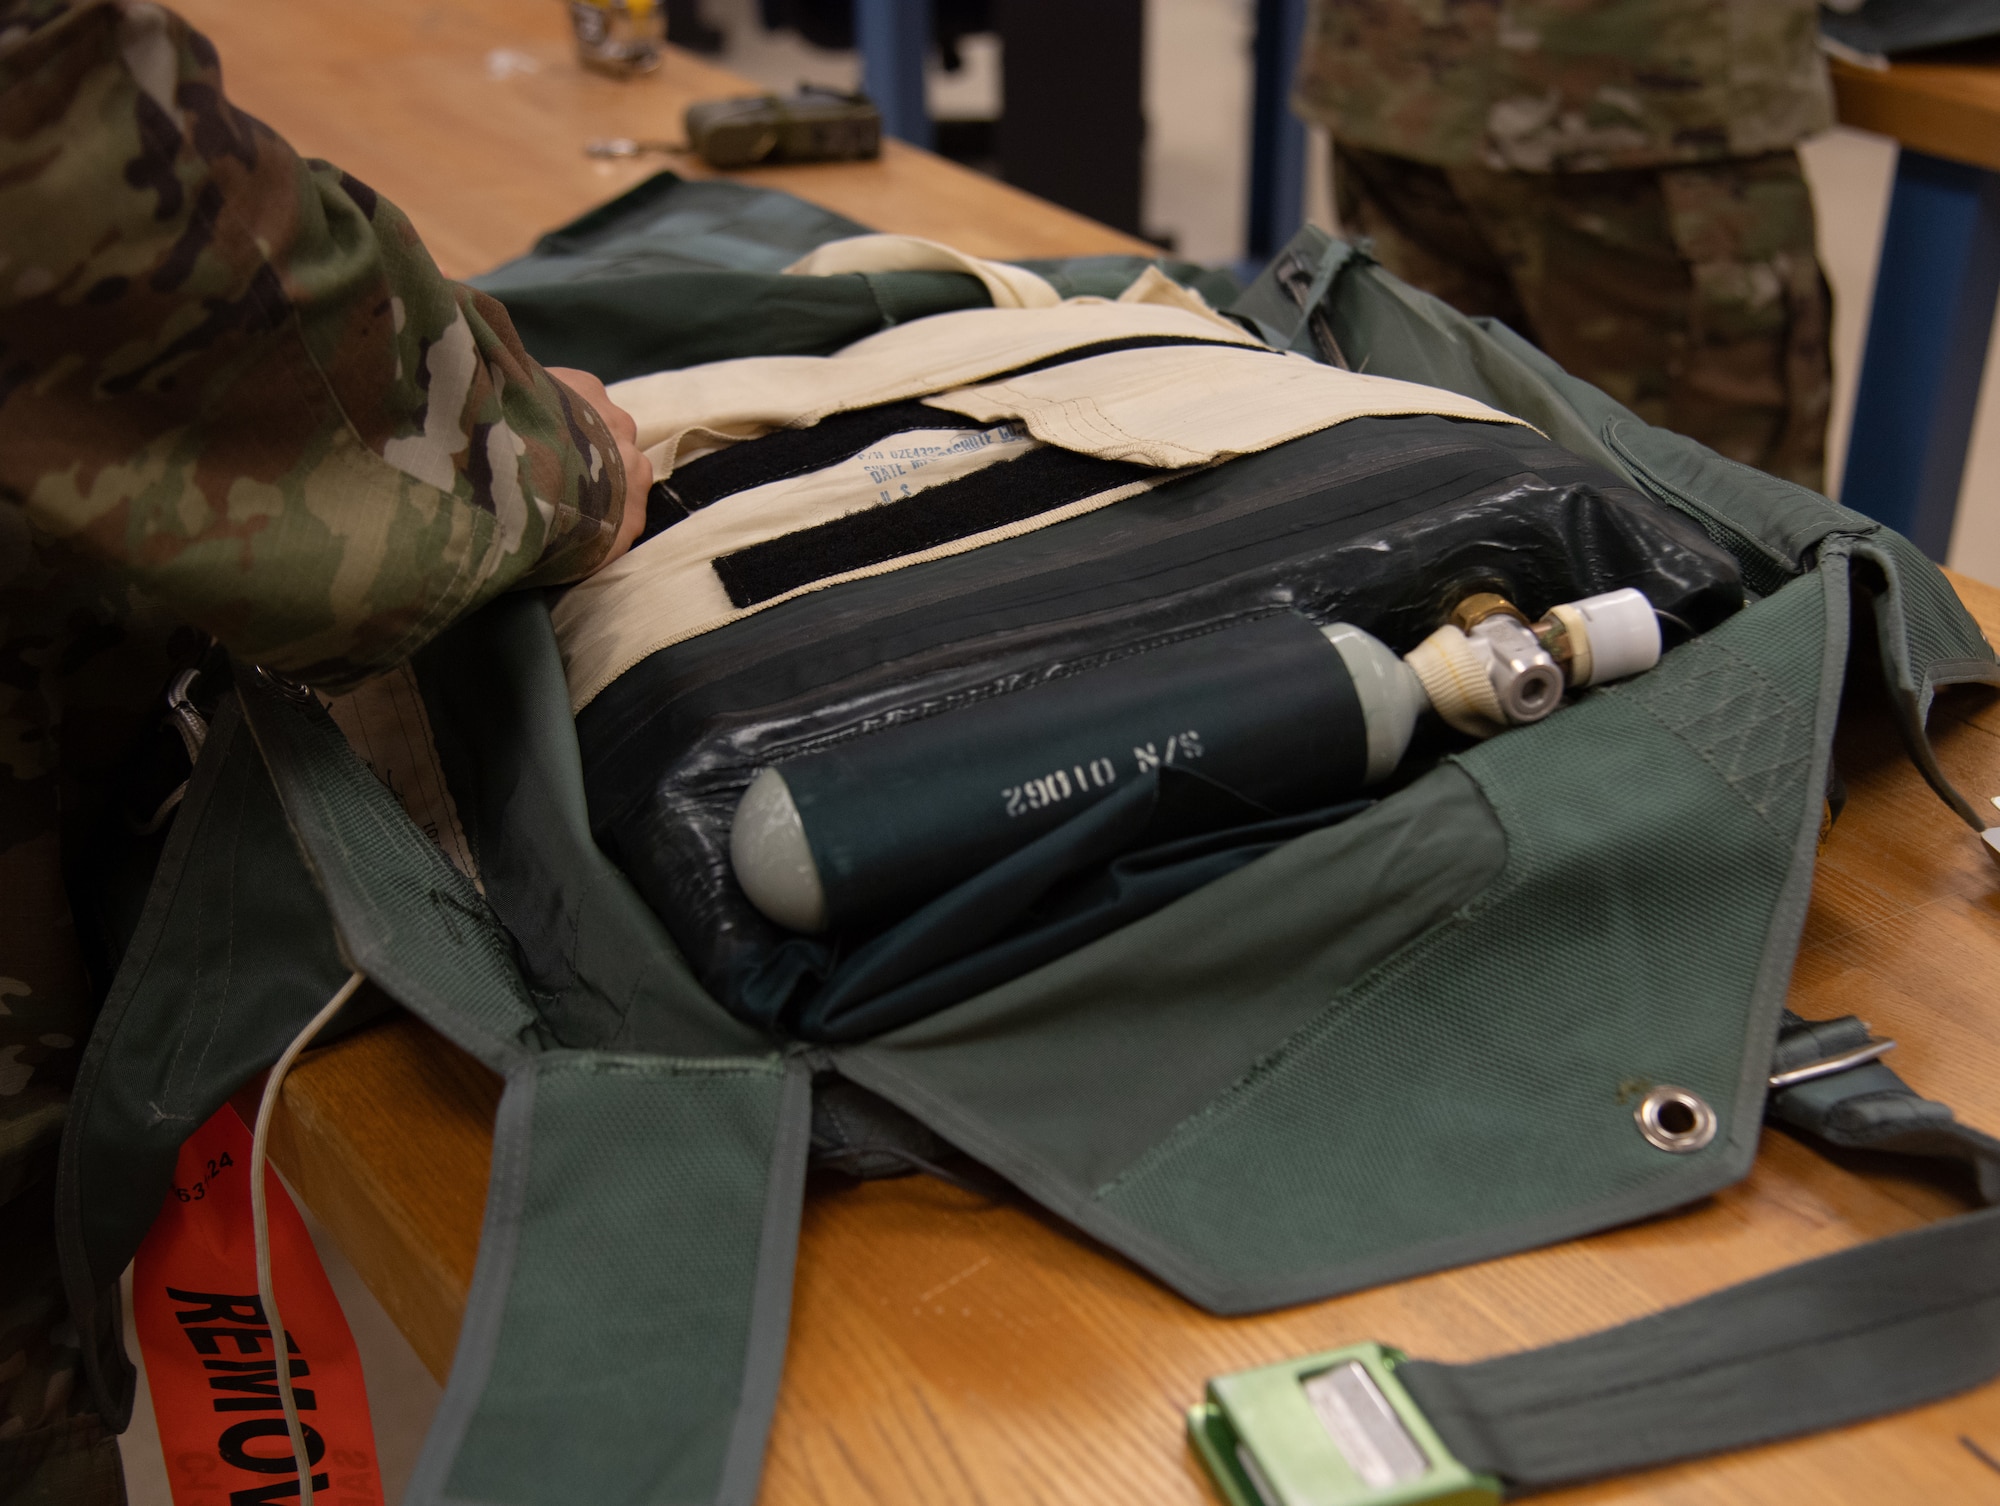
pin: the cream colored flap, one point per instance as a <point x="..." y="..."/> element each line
<point x="1009" y="287"/>
<point x="1172" y="407"/>
<point x="685" y="413"/>
<point x="1194" y="405"/>
<point x="667" y="590"/>
<point x="1154" y="286"/>
<point x="385" y="722"/>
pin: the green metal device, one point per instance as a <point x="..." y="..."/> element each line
<point x="813" y="125"/>
<point x="1332" y="1429"/>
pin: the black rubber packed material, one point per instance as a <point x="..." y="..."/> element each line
<point x="1382" y="522"/>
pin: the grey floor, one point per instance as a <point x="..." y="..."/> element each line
<point x="1197" y="106"/>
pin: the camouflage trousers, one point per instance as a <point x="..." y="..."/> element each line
<point x="54" y="1448"/>
<point x="1691" y="294"/>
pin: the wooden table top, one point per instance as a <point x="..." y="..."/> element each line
<point x="945" y="1348"/>
<point x="1946" y="109"/>
<point x="471" y="116"/>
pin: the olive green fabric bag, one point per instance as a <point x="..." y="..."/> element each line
<point x="1406" y="1042"/>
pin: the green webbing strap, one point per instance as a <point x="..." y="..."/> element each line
<point x="231" y="956"/>
<point x="404" y="916"/>
<point x="1867" y="1106"/>
<point x="1279" y="313"/>
<point x="626" y="1327"/>
<point x="626" y="1324"/>
<point x="1875" y="1329"/>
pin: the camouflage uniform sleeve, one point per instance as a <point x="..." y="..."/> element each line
<point x="236" y="377"/>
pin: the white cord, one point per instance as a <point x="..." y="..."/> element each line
<point x="266" y="1292"/>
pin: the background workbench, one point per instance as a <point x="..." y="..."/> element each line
<point x="946" y="1348"/>
<point x="1936" y="286"/>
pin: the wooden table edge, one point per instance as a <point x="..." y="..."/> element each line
<point x="1949" y="110"/>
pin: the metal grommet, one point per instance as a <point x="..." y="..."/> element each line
<point x="1673" y="1119"/>
<point x="284" y="685"/>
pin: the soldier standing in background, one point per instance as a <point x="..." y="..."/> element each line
<point x="1614" y="179"/>
<point x="236" y="399"/>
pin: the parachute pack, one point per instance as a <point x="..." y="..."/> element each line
<point x="1271" y="1007"/>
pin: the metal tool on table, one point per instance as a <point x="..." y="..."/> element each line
<point x="616" y="148"/>
<point x="618" y="37"/>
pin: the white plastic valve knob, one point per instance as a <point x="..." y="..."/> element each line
<point x="1611" y="636"/>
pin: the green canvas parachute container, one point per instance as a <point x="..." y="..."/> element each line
<point x="1401" y="1042"/>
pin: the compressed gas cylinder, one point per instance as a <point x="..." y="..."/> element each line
<point x="1282" y="712"/>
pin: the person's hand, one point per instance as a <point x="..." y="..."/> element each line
<point x="638" y="469"/>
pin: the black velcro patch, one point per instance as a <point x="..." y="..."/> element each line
<point x="785" y="453"/>
<point x="1002" y="493"/>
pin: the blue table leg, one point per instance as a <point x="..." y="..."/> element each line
<point x="1927" y="336"/>
<point x="1277" y="136"/>
<point x="893" y="37"/>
